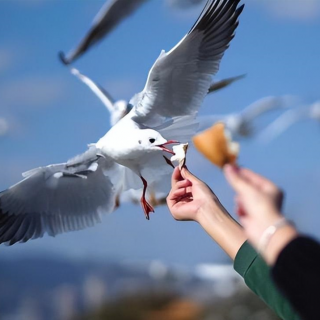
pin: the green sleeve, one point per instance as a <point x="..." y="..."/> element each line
<point x="256" y="274"/>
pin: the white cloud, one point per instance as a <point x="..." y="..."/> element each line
<point x="303" y="10"/>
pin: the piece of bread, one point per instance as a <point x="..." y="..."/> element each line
<point x="216" y="145"/>
<point x="180" y="154"/>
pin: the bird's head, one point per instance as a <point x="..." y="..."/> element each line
<point x="150" y="140"/>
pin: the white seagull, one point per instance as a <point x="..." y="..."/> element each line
<point x="117" y="109"/>
<point x="157" y="191"/>
<point x="109" y="16"/>
<point x="289" y="118"/>
<point x="73" y="195"/>
<point x="241" y="125"/>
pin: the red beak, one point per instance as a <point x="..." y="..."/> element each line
<point x="162" y="146"/>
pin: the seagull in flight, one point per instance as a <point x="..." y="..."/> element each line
<point x="157" y="192"/>
<point x="289" y="118"/>
<point x="117" y="109"/>
<point x="109" y="16"/>
<point x="73" y="195"/>
<point x="241" y="124"/>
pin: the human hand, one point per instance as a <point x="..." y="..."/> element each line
<point x="191" y="199"/>
<point x="189" y="196"/>
<point x="258" y="201"/>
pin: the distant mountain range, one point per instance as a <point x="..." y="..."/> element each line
<point x="53" y="288"/>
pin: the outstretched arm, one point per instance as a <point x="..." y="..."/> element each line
<point x="192" y="200"/>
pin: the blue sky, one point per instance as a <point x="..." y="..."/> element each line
<point x="51" y="116"/>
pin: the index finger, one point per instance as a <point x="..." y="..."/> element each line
<point x="176" y="176"/>
<point x="239" y="184"/>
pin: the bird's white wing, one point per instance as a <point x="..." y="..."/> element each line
<point x="264" y="105"/>
<point x="282" y="123"/>
<point x="179" y="80"/>
<point x="59" y="198"/>
<point x="110" y="15"/>
<point x="101" y="93"/>
<point x="207" y="121"/>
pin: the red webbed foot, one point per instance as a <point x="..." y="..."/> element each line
<point x="147" y="208"/>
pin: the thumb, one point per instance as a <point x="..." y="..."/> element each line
<point x="186" y="174"/>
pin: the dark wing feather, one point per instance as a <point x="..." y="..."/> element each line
<point x="110" y="15"/>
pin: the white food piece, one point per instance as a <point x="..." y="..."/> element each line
<point x="233" y="147"/>
<point x="180" y="154"/>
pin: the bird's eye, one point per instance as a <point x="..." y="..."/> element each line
<point x="152" y="140"/>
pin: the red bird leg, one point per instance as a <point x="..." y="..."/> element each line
<point x="147" y="208"/>
<point x="168" y="162"/>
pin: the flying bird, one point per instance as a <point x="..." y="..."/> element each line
<point x="289" y="118"/>
<point x="157" y="191"/>
<point x="109" y="16"/>
<point x="73" y="195"/>
<point x="241" y="124"/>
<point x="117" y="109"/>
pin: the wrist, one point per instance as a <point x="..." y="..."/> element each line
<point x="275" y="238"/>
<point x="278" y="242"/>
<point x="211" y="210"/>
<point x="221" y="227"/>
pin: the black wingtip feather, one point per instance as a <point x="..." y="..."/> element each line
<point x="63" y="58"/>
<point x="215" y="10"/>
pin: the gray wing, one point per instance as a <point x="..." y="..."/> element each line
<point x="241" y="123"/>
<point x="282" y="123"/>
<point x="59" y="198"/>
<point x="179" y="80"/>
<point x="218" y="85"/>
<point x="265" y="105"/>
<point x="207" y="121"/>
<point x="110" y="15"/>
